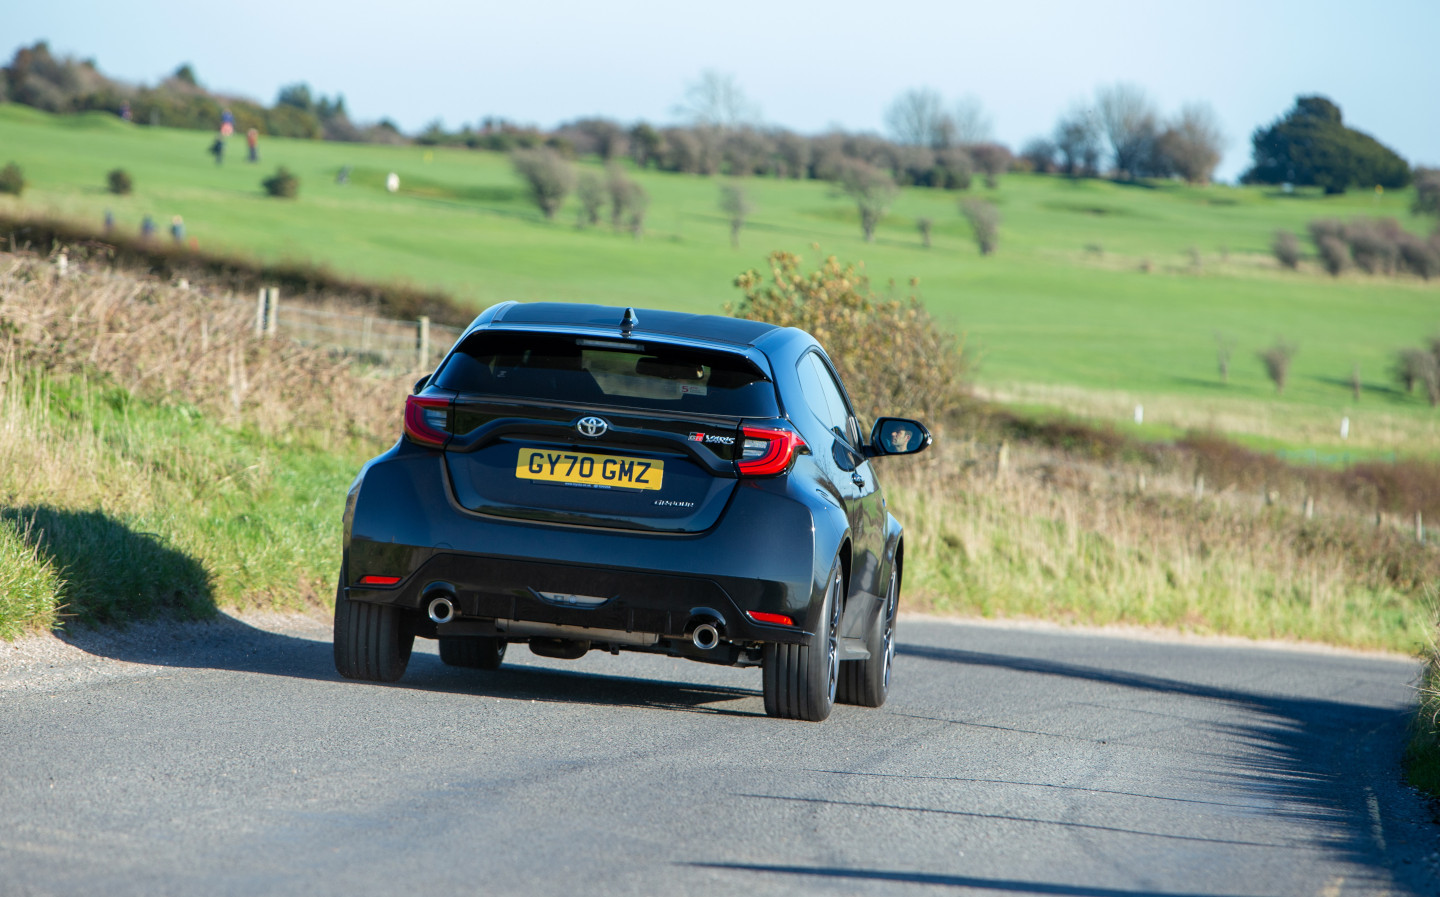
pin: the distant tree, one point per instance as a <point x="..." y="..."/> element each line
<point x="1077" y="138"/>
<point x="1276" y="360"/>
<point x="917" y="117"/>
<point x="1224" y="348"/>
<point x="715" y="100"/>
<point x="735" y="203"/>
<point x="637" y="204"/>
<point x="118" y="182"/>
<point x="626" y="198"/>
<point x="186" y="73"/>
<point x="1191" y="143"/>
<point x="1286" y="248"/>
<point x="992" y="159"/>
<point x="646" y="145"/>
<point x="591" y="192"/>
<point x="1420" y="257"/>
<point x="12" y="179"/>
<point x="954" y="169"/>
<point x="297" y="96"/>
<point x="971" y="124"/>
<point x="1039" y="153"/>
<point x="1328" y="235"/>
<point x="1427" y="192"/>
<point x="984" y="221"/>
<point x="924" y="225"/>
<point x="1310" y="146"/>
<point x="549" y="177"/>
<point x="872" y="189"/>
<point x="1374" y="244"/>
<point x="1128" y="120"/>
<point x="794" y="154"/>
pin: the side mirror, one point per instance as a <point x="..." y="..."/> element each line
<point x="420" y="384"/>
<point x="899" y="436"/>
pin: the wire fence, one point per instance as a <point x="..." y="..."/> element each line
<point x="370" y="339"/>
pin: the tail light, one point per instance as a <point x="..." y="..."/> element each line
<point x="760" y="616"/>
<point x="379" y="580"/>
<point x="766" y="452"/>
<point x="427" y="420"/>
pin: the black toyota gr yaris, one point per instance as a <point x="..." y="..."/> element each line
<point x="582" y="477"/>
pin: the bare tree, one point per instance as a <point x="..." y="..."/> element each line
<point x="1128" y="121"/>
<point x="917" y="118"/>
<point x="1191" y="143"/>
<point x="984" y="221"/>
<point x="623" y="194"/>
<point x="1277" y="360"/>
<point x="872" y="189"/>
<point x="1040" y="153"/>
<point x="1077" y="138"/>
<point x="992" y="159"/>
<point x="638" y="203"/>
<point x="715" y="100"/>
<point x="1427" y="191"/>
<point x="735" y="202"/>
<point x="591" y="192"/>
<point x="971" y="124"/>
<point x="549" y="177"/>
<point x="1224" y="348"/>
<point x="924" y="224"/>
<point x="1286" y="248"/>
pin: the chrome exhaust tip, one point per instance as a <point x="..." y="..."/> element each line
<point x="441" y="610"/>
<point x="705" y="636"/>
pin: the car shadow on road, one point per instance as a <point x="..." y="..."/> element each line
<point x="230" y="644"/>
<point x="1012" y="886"/>
<point x="1308" y="756"/>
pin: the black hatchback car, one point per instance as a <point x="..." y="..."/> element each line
<point x="584" y="477"/>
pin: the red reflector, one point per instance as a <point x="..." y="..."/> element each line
<point x="762" y="617"/>
<point x="420" y="418"/>
<point x="379" y="580"/>
<point x="780" y="451"/>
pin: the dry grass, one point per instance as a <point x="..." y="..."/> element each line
<point x="1422" y="757"/>
<point x="1056" y="537"/>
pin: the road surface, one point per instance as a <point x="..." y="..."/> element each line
<point x="228" y="759"/>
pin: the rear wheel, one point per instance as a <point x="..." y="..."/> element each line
<point x="867" y="682"/>
<point x="372" y="641"/>
<point x="479" y="653"/>
<point x="800" y="680"/>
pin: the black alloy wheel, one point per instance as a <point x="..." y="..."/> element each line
<point x="867" y="682"/>
<point x="799" y="681"/>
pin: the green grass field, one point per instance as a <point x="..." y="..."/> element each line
<point x="1063" y="316"/>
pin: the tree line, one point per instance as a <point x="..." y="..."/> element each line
<point x="1119" y="133"/>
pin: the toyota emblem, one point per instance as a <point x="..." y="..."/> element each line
<point x="592" y="426"/>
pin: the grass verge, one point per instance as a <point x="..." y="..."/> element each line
<point x="1422" y="757"/>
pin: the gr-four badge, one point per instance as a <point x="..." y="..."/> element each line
<point x="592" y="426"/>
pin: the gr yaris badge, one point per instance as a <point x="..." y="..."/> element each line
<point x="592" y="426"/>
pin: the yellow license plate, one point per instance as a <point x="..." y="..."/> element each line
<point x="586" y="469"/>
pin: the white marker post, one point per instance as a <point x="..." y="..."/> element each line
<point x="1139" y="414"/>
<point x="1344" y="428"/>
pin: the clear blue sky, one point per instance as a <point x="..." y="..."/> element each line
<point x="807" y="64"/>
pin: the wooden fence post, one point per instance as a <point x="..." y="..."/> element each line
<point x="260" y="311"/>
<point x="424" y="355"/>
<point x="1419" y="527"/>
<point x="272" y="312"/>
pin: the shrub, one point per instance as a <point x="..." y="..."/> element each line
<point x="1287" y="249"/>
<point x="1427" y="192"/>
<point x="119" y="182"/>
<point x="1277" y="360"/>
<point x="282" y="183"/>
<point x="954" y="169"/>
<point x="626" y="196"/>
<point x="549" y="177"/>
<point x="1420" y="257"/>
<point x="1334" y="254"/>
<point x="12" y="180"/>
<point x="992" y="160"/>
<point x="924" y="224"/>
<point x="1374" y="244"/>
<point x="984" y="221"/>
<point x="891" y="354"/>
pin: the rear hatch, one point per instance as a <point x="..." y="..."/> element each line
<point x="572" y="429"/>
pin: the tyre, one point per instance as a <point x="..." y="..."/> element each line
<point x="800" y="680"/>
<point x="867" y="682"/>
<point x="482" y="653"/>
<point x="372" y="641"/>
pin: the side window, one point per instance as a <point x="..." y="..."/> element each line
<point x="824" y="397"/>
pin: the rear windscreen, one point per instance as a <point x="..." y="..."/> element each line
<point x="606" y="372"/>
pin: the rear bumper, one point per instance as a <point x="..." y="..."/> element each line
<point x="487" y="588"/>
<point x="402" y="520"/>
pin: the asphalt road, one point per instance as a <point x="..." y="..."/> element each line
<point x="232" y="760"/>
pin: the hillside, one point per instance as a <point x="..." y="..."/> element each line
<point x="1101" y="295"/>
